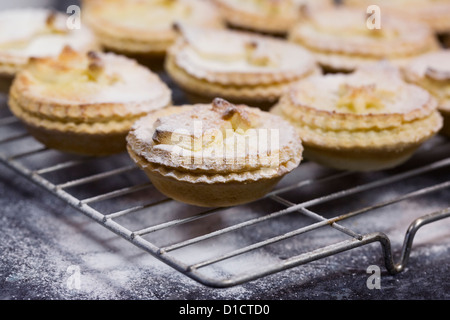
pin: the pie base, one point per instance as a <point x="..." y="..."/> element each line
<point x="215" y="194"/>
<point x="72" y="141"/>
<point x="81" y="144"/>
<point x="359" y="160"/>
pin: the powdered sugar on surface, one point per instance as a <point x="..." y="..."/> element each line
<point x="42" y="238"/>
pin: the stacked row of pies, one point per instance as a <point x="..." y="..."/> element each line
<point x="269" y="82"/>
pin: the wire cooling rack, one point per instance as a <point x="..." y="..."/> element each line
<point x="309" y="216"/>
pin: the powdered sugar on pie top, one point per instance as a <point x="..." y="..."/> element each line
<point x="119" y="80"/>
<point x="39" y="33"/>
<point x="438" y="62"/>
<point x="382" y="80"/>
<point x="227" y="52"/>
<point x="135" y="83"/>
<point x="177" y="138"/>
<point x="21" y="25"/>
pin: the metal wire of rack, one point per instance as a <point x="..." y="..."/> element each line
<point x="187" y="227"/>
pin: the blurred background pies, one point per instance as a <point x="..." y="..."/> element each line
<point x="237" y="66"/>
<point x="143" y="28"/>
<point x="432" y="72"/>
<point x="216" y="154"/>
<point x="36" y="32"/>
<point x="435" y="13"/>
<point x="367" y="120"/>
<point x="341" y="40"/>
<point x="268" y="16"/>
<point x="85" y="103"/>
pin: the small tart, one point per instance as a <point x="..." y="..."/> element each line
<point x="268" y="16"/>
<point x="214" y="155"/>
<point x="144" y="27"/>
<point x="432" y="72"/>
<point x="341" y="40"/>
<point x="26" y="33"/>
<point x="240" y="67"/>
<point x="85" y="103"/>
<point x="435" y="13"/>
<point x="364" y="121"/>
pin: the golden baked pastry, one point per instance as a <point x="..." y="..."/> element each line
<point x="268" y="16"/>
<point x="214" y="155"/>
<point x="435" y="13"/>
<point x="26" y="33"/>
<point x="85" y="103"/>
<point x="367" y="120"/>
<point x="432" y="72"/>
<point x="237" y="66"/>
<point x="341" y="39"/>
<point x="144" y="27"/>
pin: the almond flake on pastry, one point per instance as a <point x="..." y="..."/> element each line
<point x="26" y="33"/>
<point x="216" y="154"/>
<point x="268" y="16"/>
<point x="236" y="65"/>
<point x="341" y="40"/>
<point x="145" y="26"/>
<point x="368" y="120"/>
<point x="90" y="98"/>
<point x="432" y="72"/>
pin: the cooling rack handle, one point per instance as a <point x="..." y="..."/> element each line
<point x="411" y="232"/>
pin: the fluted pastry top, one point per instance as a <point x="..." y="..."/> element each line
<point x="345" y="30"/>
<point x="87" y="87"/>
<point x="148" y="20"/>
<point x="374" y="96"/>
<point x="232" y="57"/>
<point x="30" y="32"/>
<point x="234" y="141"/>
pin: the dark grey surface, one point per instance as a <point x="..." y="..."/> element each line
<point x="41" y="237"/>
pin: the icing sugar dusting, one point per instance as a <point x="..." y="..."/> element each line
<point x="25" y="33"/>
<point x="382" y="83"/>
<point x="438" y="61"/>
